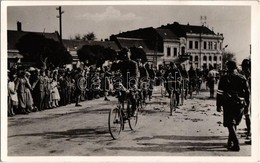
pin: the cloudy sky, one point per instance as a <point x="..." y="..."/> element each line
<point x="233" y="21"/>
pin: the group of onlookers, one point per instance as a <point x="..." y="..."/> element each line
<point x="32" y="89"/>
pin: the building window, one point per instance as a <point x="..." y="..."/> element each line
<point x="168" y="52"/>
<point x="215" y="58"/>
<point x="196" y="58"/>
<point x="182" y="50"/>
<point x="205" y="58"/>
<point x="220" y="46"/>
<point x="210" y="58"/>
<point x="205" y="45"/>
<point x="191" y="58"/>
<point x="175" y="52"/>
<point x="215" y="45"/>
<point x="220" y="58"/>
<point x="210" y="45"/>
<point x="190" y="44"/>
<point x="215" y="66"/>
<point x="196" y="45"/>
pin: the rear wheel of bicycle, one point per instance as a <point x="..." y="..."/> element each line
<point x="132" y="120"/>
<point x="115" y="122"/>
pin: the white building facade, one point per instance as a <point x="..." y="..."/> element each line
<point x="204" y="50"/>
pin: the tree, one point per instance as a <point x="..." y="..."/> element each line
<point x="90" y="36"/>
<point x="226" y="57"/>
<point x="78" y="37"/>
<point x="42" y="51"/>
<point x="86" y="55"/>
<point x="109" y="54"/>
<point x="95" y="54"/>
<point x="138" y="53"/>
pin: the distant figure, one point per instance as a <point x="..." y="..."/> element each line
<point x="211" y="81"/>
<point x="233" y="97"/>
<point x="192" y="80"/>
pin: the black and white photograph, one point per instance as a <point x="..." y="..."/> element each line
<point x="142" y="81"/>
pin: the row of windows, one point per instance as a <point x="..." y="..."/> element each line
<point x="206" y="45"/>
<point x="175" y="52"/>
<point x="205" y="58"/>
<point x="216" y="66"/>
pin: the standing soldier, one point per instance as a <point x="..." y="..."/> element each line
<point x="246" y="71"/>
<point x="233" y="96"/>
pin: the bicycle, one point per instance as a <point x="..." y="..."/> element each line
<point x="183" y="91"/>
<point x="173" y="97"/>
<point x="192" y="86"/>
<point x="173" y="101"/>
<point x="118" y="116"/>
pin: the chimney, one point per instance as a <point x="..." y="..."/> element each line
<point x="19" y="26"/>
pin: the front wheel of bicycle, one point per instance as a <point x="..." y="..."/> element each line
<point x="115" y="122"/>
<point x="132" y="121"/>
<point x="173" y="103"/>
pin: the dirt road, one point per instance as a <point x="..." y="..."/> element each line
<point x="195" y="129"/>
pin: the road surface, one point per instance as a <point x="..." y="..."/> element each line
<point x="195" y="129"/>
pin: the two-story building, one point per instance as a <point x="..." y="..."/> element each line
<point x="147" y="38"/>
<point x="171" y="46"/>
<point x="202" y="45"/>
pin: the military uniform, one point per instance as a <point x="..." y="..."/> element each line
<point x="233" y="96"/>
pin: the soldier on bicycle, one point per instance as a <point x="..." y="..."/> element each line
<point x="130" y="75"/>
<point x="173" y="79"/>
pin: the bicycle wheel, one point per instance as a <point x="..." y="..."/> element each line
<point x="132" y="121"/>
<point x="173" y="102"/>
<point x="115" y="122"/>
<point x="182" y="96"/>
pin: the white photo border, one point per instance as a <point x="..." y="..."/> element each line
<point x="255" y="19"/>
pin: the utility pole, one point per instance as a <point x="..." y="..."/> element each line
<point x="60" y="20"/>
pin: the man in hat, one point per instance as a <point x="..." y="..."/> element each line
<point x="232" y="96"/>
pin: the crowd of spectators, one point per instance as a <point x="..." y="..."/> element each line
<point x="31" y="89"/>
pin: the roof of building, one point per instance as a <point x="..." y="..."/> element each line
<point x="147" y="45"/>
<point x="167" y="34"/>
<point x="148" y="33"/>
<point x="13" y="37"/>
<point x="181" y="30"/>
<point x="77" y="44"/>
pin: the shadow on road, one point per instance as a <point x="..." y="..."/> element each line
<point x="88" y="133"/>
<point x="186" y="145"/>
